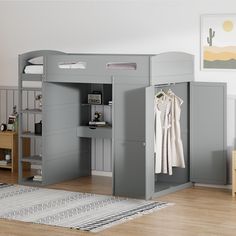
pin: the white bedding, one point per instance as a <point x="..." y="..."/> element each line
<point x="75" y="65"/>
<point x="33" y="69"/>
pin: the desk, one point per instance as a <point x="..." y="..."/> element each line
<point x="9" y="141"/>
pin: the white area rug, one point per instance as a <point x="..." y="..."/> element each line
<point x="90" y="212"/>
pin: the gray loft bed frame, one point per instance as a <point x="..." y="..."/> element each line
<point x="66" y="139"/>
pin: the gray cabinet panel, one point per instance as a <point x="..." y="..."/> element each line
<point x="129" y="112"/>
<point x="149" y="141"/>
<point x="129" y="139"/>
<point x="208" y="132"/>
<point x="172" y="67"/>
<point x="129" y="172"/>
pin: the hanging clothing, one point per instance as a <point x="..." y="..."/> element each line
<point x="162" y="110"/>
<point x="175" y="132"/>
<point x="168" y="145"/>
<point x="157" y="140"/>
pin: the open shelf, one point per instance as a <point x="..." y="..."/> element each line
<point x="8" y="166"/>
<point x="30" y="135"/>
<point x="88" y="104"/>
<point x="31" y="89"/>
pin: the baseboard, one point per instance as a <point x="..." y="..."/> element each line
<point x="102" y="173"/>
<point x="228" y="186"/>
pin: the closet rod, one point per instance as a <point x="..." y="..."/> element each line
<point x="166" y="85"/>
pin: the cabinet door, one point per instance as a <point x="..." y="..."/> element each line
<point x="129" y="138"/>
<point x="149" y="141"/>
<point x="208" y="133"/>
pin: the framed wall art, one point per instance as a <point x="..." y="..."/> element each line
<point x="218" y="42"/>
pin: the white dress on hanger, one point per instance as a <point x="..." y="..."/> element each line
<point x="176" y="144"/>
<point x="157" y="137"/>
<point x="162" y="124"/>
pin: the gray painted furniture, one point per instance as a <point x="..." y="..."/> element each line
<point x="131" y="82"/>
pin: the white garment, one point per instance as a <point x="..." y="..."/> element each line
<point x="157" y="139"/>
<point x="176" y="144"/>
<point x="162" y="124"/>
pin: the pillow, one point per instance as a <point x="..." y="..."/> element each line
<point x="36" y="61"/>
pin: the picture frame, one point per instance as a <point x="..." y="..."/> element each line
<point x="218" y="42"/>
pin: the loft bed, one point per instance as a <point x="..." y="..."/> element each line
<point x="130" y="82"/>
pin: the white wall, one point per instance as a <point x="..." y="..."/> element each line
<point x="125" y="26"/>
<point x="142" y="26"/>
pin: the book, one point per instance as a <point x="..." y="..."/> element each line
<point x="5" y="162"/>
<point x="97" y="123"/>
<point x="37" y="178"/>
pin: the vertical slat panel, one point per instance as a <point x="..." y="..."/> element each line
<point x="31" y="104"/>
<point x="93" y="156"/>
<point x="15" y="99"/>
<point x="10" y="102"/>
<point x="24" y="106"/>
<point x="38" y="147"/>
<point x="3" y="111"/>
<point x="99" y="154"/>
<point x="37" y="119"/>
<point x="107" y="114"/>
<point x="31" y="118"/>
<point x="107" y="155"/>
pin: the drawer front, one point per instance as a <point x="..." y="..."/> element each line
<point x="5" y="141"/>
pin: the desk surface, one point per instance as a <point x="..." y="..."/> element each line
<point x="8" y="133"/>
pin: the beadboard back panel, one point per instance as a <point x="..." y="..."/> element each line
<point x="101" y="148"/>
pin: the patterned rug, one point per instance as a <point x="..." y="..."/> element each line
<point x="84" y="211"/>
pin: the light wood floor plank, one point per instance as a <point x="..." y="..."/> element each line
<point x="197" y="211"/>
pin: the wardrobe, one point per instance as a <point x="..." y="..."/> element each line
<point x="130" y="82"/>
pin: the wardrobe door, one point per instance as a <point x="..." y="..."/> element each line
<point x="149" y="141"/>
<point x="208" y="133"/>
<point x="129" y="138"/>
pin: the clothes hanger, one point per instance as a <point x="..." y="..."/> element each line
<point x="171" y="93"/>
<point x="160" y="94"/>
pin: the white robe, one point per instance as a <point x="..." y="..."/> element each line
<point x="162" y="110"/>
<point x="176" y="144"/>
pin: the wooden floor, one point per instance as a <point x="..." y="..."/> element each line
<point x="197" y="211"/>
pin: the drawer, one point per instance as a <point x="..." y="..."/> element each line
<point x="99" y="132"/>
<point x="5" y="141"/>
